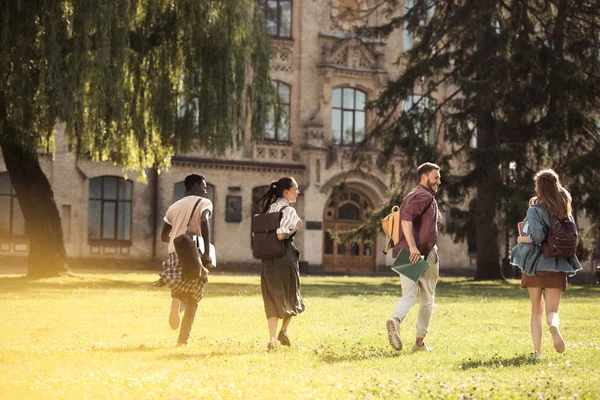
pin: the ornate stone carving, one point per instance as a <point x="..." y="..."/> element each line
<point x="314" y="136"/>
<point x="272" y="152"/>
<point x="281" y="56"/>
<point x="350" y="53"/>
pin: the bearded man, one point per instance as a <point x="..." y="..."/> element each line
<point x="419" y="216"/>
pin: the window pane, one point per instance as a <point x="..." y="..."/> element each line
<point x="336" y="126"/>
<point x="269" y="126"/>
<point x="285" y="27"/>
<point x="341" y="249"/>
<point x="178" y="191"/>
<point x="337" y="98"/>
<point x="5" y="184"/>
<point x="271" y="17"/>
<point x="359" y="127"/>
<point x="367" y="250"/>
<point x="124" y="227"/>
<point x="210" y="193"/>
<point x="361" y="98"/>
<point x="18" y="222"/>
<point x="348" y="125"/>
<point x="96" y="188"/>
<point x="5" y="215"/>
<point x="284" y="93"/>
<point x="409" y="102"/>
<point x="328" y="244"/>
<point x="355" y="198"/>
<point x="406" y="39"/>
<point x="125" y="190"/>
<point x="349" y="98"/>
<point x="110" y="188"/>
<point x="108" y="221"/>
<point x="283" y="133"/>
<point x="94" y="214"/>
<point x="354" y="249"/>
<point x="349" y="212"/>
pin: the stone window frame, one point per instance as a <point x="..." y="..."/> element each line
<point x="353" y="109"/>
<point x="286" y="105"/>
<point x="13" y="210"/>
<point x="262" y="4"/>
<point x="117" y="201"/>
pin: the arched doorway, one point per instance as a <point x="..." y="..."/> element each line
<point x="346" y="211"/>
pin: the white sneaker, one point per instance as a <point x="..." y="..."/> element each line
<point x="174" y="314"/>
<point x="393" y="331"/>
<point x="416" y="348"/>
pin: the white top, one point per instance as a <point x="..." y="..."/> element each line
<point x="289" y="219"/>
<point x="179" y="213"/>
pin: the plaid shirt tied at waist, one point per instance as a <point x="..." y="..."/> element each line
<point x="172" y="276"/>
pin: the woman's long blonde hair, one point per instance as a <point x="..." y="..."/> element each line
<point x="551" y="195"/>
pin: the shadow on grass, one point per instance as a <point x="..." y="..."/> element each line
<point x="453" y="288"/>
<point x="194" y="355"/>
<point x="354" y="352"/>
<point x="131" y="349"/>
<point x="499" y="362"/>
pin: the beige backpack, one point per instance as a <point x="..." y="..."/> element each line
<point x="391" y="228"/>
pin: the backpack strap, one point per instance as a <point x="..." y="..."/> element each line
<point x="192" y="214"/>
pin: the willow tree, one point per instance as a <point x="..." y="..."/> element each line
<point x="511" y="86"/>
<point x="134" y="81"/>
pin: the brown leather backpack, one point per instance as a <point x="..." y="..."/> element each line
<point x="562" y="238"/>
<point x="265" y="245"/>
<point x="187" y="251"/>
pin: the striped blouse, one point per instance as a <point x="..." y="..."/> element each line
<point x="289" y="219"/>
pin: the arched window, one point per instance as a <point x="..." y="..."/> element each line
<point x="179" y="193"/>
<point x="12" y="222"/>
<point x="278" y="15"/>
<point x="279" y="131"/>
<point x="348" y="116"/>
<point x="109" y="208"/>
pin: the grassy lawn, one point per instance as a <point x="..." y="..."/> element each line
<point x="107" y="336"/>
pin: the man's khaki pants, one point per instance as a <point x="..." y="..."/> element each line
<point x="425" y="289"/>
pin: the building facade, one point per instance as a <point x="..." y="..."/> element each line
<point x="324" y="75"/>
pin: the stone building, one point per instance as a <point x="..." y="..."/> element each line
<point x="324" y="75"/>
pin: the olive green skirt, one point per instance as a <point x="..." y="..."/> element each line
<point x="280" y="284"/>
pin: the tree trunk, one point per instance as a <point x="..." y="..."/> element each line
<point x="47" y="255"/>
<point x="488" y="185"/>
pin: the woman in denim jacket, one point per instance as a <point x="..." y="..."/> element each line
<point x="544" y="277"/>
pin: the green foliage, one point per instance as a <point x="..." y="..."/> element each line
<point x="514" y="87"/>
<point x="108" y="337"/>
<point x="135" y="80"/>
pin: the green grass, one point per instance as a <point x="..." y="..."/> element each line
<point x="107" y="336"/>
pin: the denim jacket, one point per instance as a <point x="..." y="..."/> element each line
<point x="529" y="257"/>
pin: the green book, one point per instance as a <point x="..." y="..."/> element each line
<point x="402" y="265"/>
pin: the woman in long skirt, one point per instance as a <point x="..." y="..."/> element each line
<point x="280" y="277"/>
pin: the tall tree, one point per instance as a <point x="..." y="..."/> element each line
<point x="134" y="80"/>
<point x="511" y="86"/>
